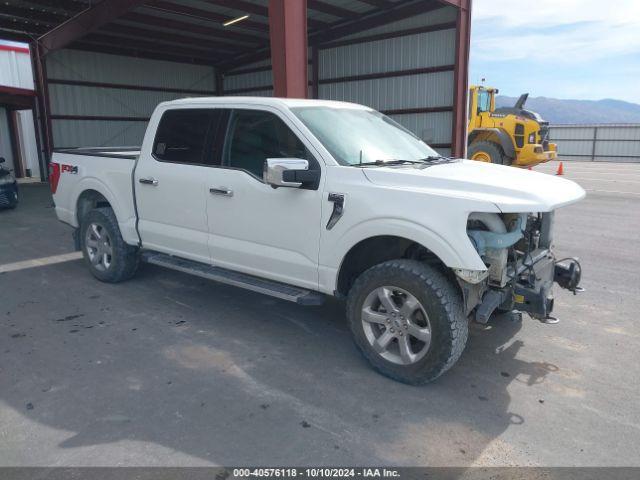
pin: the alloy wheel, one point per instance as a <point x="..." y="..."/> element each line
<point x="99" y="247"/>
<point x="396" y="325"/>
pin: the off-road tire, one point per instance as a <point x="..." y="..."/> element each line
<point x="492" y="149"/>
<point x="125" y="257"/>
<point x="443" y="304"/>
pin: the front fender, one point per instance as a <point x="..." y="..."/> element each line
<point x="455" y="252"/>
<point x="502" y="137"/>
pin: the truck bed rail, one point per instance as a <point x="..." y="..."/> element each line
<point x="113" y="152"/>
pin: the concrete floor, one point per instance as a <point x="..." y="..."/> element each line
<point x="168" y="369"/>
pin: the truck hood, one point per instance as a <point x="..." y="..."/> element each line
<point x="510" y="189"/>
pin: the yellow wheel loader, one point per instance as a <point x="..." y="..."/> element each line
<point x="506" y="135"/>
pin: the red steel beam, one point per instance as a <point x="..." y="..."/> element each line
<point x="288" y="35"/>
<point x="42" y="89"/>
<point x="85" y="22"/>
<point x="461" y="79"/>
<point x="17" y="92"/>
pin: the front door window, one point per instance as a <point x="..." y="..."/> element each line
<point x="257" y="135"/>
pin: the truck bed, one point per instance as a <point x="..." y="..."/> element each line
<point x="106" y="171"/>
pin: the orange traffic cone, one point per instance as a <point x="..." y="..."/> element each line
<point x="560" y="169"/>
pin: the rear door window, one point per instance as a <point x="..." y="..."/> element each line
<point x="190" y="136"/>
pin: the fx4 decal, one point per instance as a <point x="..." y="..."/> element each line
<point x="69" y="169"/>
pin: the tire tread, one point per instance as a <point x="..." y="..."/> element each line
<point x="447" y="296"/>
<point x="126" y="258"/>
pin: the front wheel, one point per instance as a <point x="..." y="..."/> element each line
<point x="107" y="255"/>
<point x="407" y="320"/>
<point x="488" y="152"/>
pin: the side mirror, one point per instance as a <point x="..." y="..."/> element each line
<point x="285" y="172"/>
<point x="2" y="160"/>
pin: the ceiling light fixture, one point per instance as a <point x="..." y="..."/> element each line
<point x="235" y="20"/>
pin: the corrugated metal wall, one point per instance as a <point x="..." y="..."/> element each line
<point x="5" y="140"/>
<point x="15" y="69"/>
<point x="119" y="109"/>
<point x="27" y="142"/>
<point x="602" y="142"/>
<point x="408" y="76"/>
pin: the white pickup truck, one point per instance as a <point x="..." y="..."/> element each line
<point x="300" y="199"/>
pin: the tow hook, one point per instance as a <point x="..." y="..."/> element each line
<point x="567" y="274"/>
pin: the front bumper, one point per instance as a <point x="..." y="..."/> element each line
<point x="532" y="290"/>
<point x="8" y="194"/>
<point x="533" y="154"/>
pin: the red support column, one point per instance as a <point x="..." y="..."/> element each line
<point x="288" y="35"/>
<point x="461" y="80"/>
<point x="43" y="110"/>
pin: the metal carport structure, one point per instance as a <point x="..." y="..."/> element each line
<point x="100" y="67"/>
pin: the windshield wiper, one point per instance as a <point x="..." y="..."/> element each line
<point x="436" y="159"/>
<point x="380" y="163"/>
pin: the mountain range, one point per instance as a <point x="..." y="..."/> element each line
<point x="556" y="111"/>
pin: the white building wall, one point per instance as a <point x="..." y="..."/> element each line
<point x="15" y="72"/>
<point x="15" y="68"/>
<point x="5" y="141"/>
<point x="27" y="142"/>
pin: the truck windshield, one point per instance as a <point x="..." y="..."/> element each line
<point x="358" y="136"/>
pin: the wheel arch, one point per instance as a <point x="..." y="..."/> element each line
<point x="495" y="135"/>
<point x="92" y="193"/>
<point x="389" y="239"/>
<point x="87" y="201"/>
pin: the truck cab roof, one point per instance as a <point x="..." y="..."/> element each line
<point x="269" y="101"/>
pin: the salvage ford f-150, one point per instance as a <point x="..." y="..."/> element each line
<point x="305" y="198"/>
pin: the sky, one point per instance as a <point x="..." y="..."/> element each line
<point x="570" y="49"/>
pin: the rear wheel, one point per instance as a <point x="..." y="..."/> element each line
<point x="488" y="152"/>
<point x="107" y="255"/>
<point x="407" y="320"/>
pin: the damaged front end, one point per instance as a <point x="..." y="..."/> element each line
<point x="521" y="266"/>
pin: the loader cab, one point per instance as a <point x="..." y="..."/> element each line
<point x="506" y="135"/>
<point x="482" y="101"/>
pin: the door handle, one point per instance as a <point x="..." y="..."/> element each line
<point x="224" y="191"/>
<point x="148" y="181"/>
